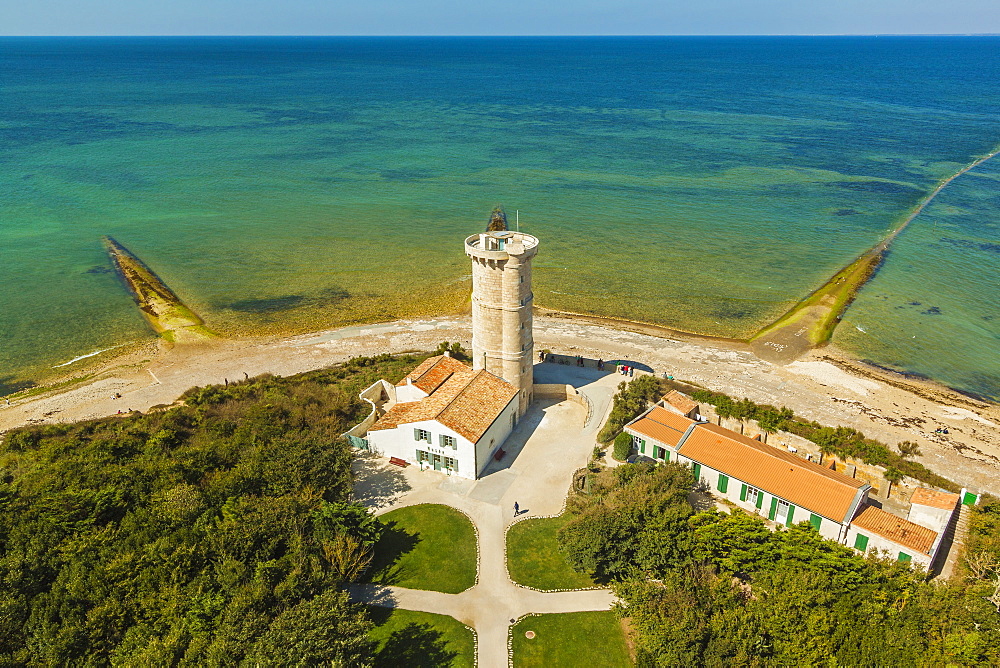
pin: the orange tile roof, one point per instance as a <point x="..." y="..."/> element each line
<point x="662" y="425"/>
<point x="799" y="481"/>
<point x="433" y="372"/>
<point x="464" y="400"/>
<point x="934" y="498"/>
<point x="680" y="401"/>
<point x="896" y="529"/>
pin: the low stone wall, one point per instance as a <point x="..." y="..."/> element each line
<point x="563" y="393"/>
<point x="374" y="394"/>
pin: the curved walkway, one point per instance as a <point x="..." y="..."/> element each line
<point x="545" y="449"/>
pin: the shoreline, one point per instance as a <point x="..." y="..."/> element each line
<point x="907" y="381"/>
<point x="826" y="385"/>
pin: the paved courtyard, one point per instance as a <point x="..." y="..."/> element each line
<point x="553" y="439"/>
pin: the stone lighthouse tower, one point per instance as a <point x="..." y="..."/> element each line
<point x="501" y="306"/>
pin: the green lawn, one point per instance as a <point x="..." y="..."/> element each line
<point x="534" y="558"/>
<point x="567" y="640"/>
<point x="420" y="640"/>
<point x="429" y="547"/>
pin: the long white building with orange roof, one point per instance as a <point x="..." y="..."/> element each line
<point x="785" y="488"/>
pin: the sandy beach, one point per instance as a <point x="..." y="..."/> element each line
<point x="825" y="386"/>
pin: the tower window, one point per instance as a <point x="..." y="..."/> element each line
<point x="522" y="278"/>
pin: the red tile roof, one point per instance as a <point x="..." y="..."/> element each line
<point x="933" y="498"/>
<point x="467" y="401"/>
<point x="433" y="372"/>
<point x="662" y="426"/>
<point x="896" y="529"/>
<point x="799" y="481"/>
<point x="680" y="401"/>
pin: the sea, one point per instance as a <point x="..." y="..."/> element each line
<point x="703" y="183"/>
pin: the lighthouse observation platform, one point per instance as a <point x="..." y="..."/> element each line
<point x="500" y="245"/>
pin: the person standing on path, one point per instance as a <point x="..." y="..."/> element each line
<point x="517" y="509"/>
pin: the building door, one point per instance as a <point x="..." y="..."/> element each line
<point x="781" y="517"/>
<point x="437" y="461"/>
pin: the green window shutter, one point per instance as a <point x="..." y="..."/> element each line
<point x="416" y="434"/>
<point x="743" y="493"/>
<point x="791" y="511"/>
<point x="774" y="508"/>
<point x="667" y="456"/>
<point x="903" y="556"/>
<point x="697" y="471"/>
<point x="760" y="499"/>
<point x="723" y="483"/>
<point x="969" y="499"/>
<point x="642" y="446"/>
<point x="815" y="520"/>
<point x="861" y="542"/>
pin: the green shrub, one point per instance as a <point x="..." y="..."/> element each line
<point x="632" y="398"/>
<point x="623" y="446"/>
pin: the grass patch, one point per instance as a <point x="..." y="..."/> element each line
<point x="570" y="639"/>
<point x="420" y="639"/>
<point x="534" y="558"/>
<point x="428" y="546"/>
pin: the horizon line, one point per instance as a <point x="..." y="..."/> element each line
<point x="505" y="36"/>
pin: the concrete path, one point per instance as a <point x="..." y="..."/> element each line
<point x="548" y="445"/>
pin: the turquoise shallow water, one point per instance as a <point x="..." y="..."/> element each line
<point x="702" y="183"/>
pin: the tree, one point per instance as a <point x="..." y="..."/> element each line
<point x="325" y="630"/>
<point x="623" y="446"/>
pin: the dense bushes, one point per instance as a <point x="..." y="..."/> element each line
<point x="632" y="398"/>
<point x="715" y="589"/>
<point x="840" y="441"/>
<point x="211" y="533"/>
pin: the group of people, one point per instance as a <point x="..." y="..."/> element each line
<point x="620" y="367"/>
<point x="941" y="430"/>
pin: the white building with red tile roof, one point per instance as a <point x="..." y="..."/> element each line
<point x="446" y="416"/>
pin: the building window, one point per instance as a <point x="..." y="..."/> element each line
<point x="903" y="556"/>
<point x="861" y="542"/>
<point x="753" y="496"/>
<point x="639" y="444"/>
<point x="659" y="453"/>
<point x="451" y="463"/>
<point x="522" y="278"/>
<point x="449" y="442"/>
<point x="815" y="520"/>
<point x="421" y="435"/>
<point x="723" y="484"/>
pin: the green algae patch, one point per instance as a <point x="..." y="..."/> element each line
<point x="164" y="311"/>
<point x="811" y="322"/>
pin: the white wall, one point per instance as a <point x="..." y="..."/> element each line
<point x="876" y="542"/>
<point x="496" y="435"/>
<point x="472" y="458"/>
<point x="408" y="392"/>
<point x="710" y="478"/>
<point x="930" y="517"/>
<point x="399" y="442"/>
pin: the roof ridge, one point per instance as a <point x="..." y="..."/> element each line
<point x="778" y="453"/>
<point x="468" y="382"/>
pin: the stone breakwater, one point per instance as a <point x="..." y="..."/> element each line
<point x="164" y="311"/>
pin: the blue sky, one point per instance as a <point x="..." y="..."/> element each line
<point x="496" y="17"/>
